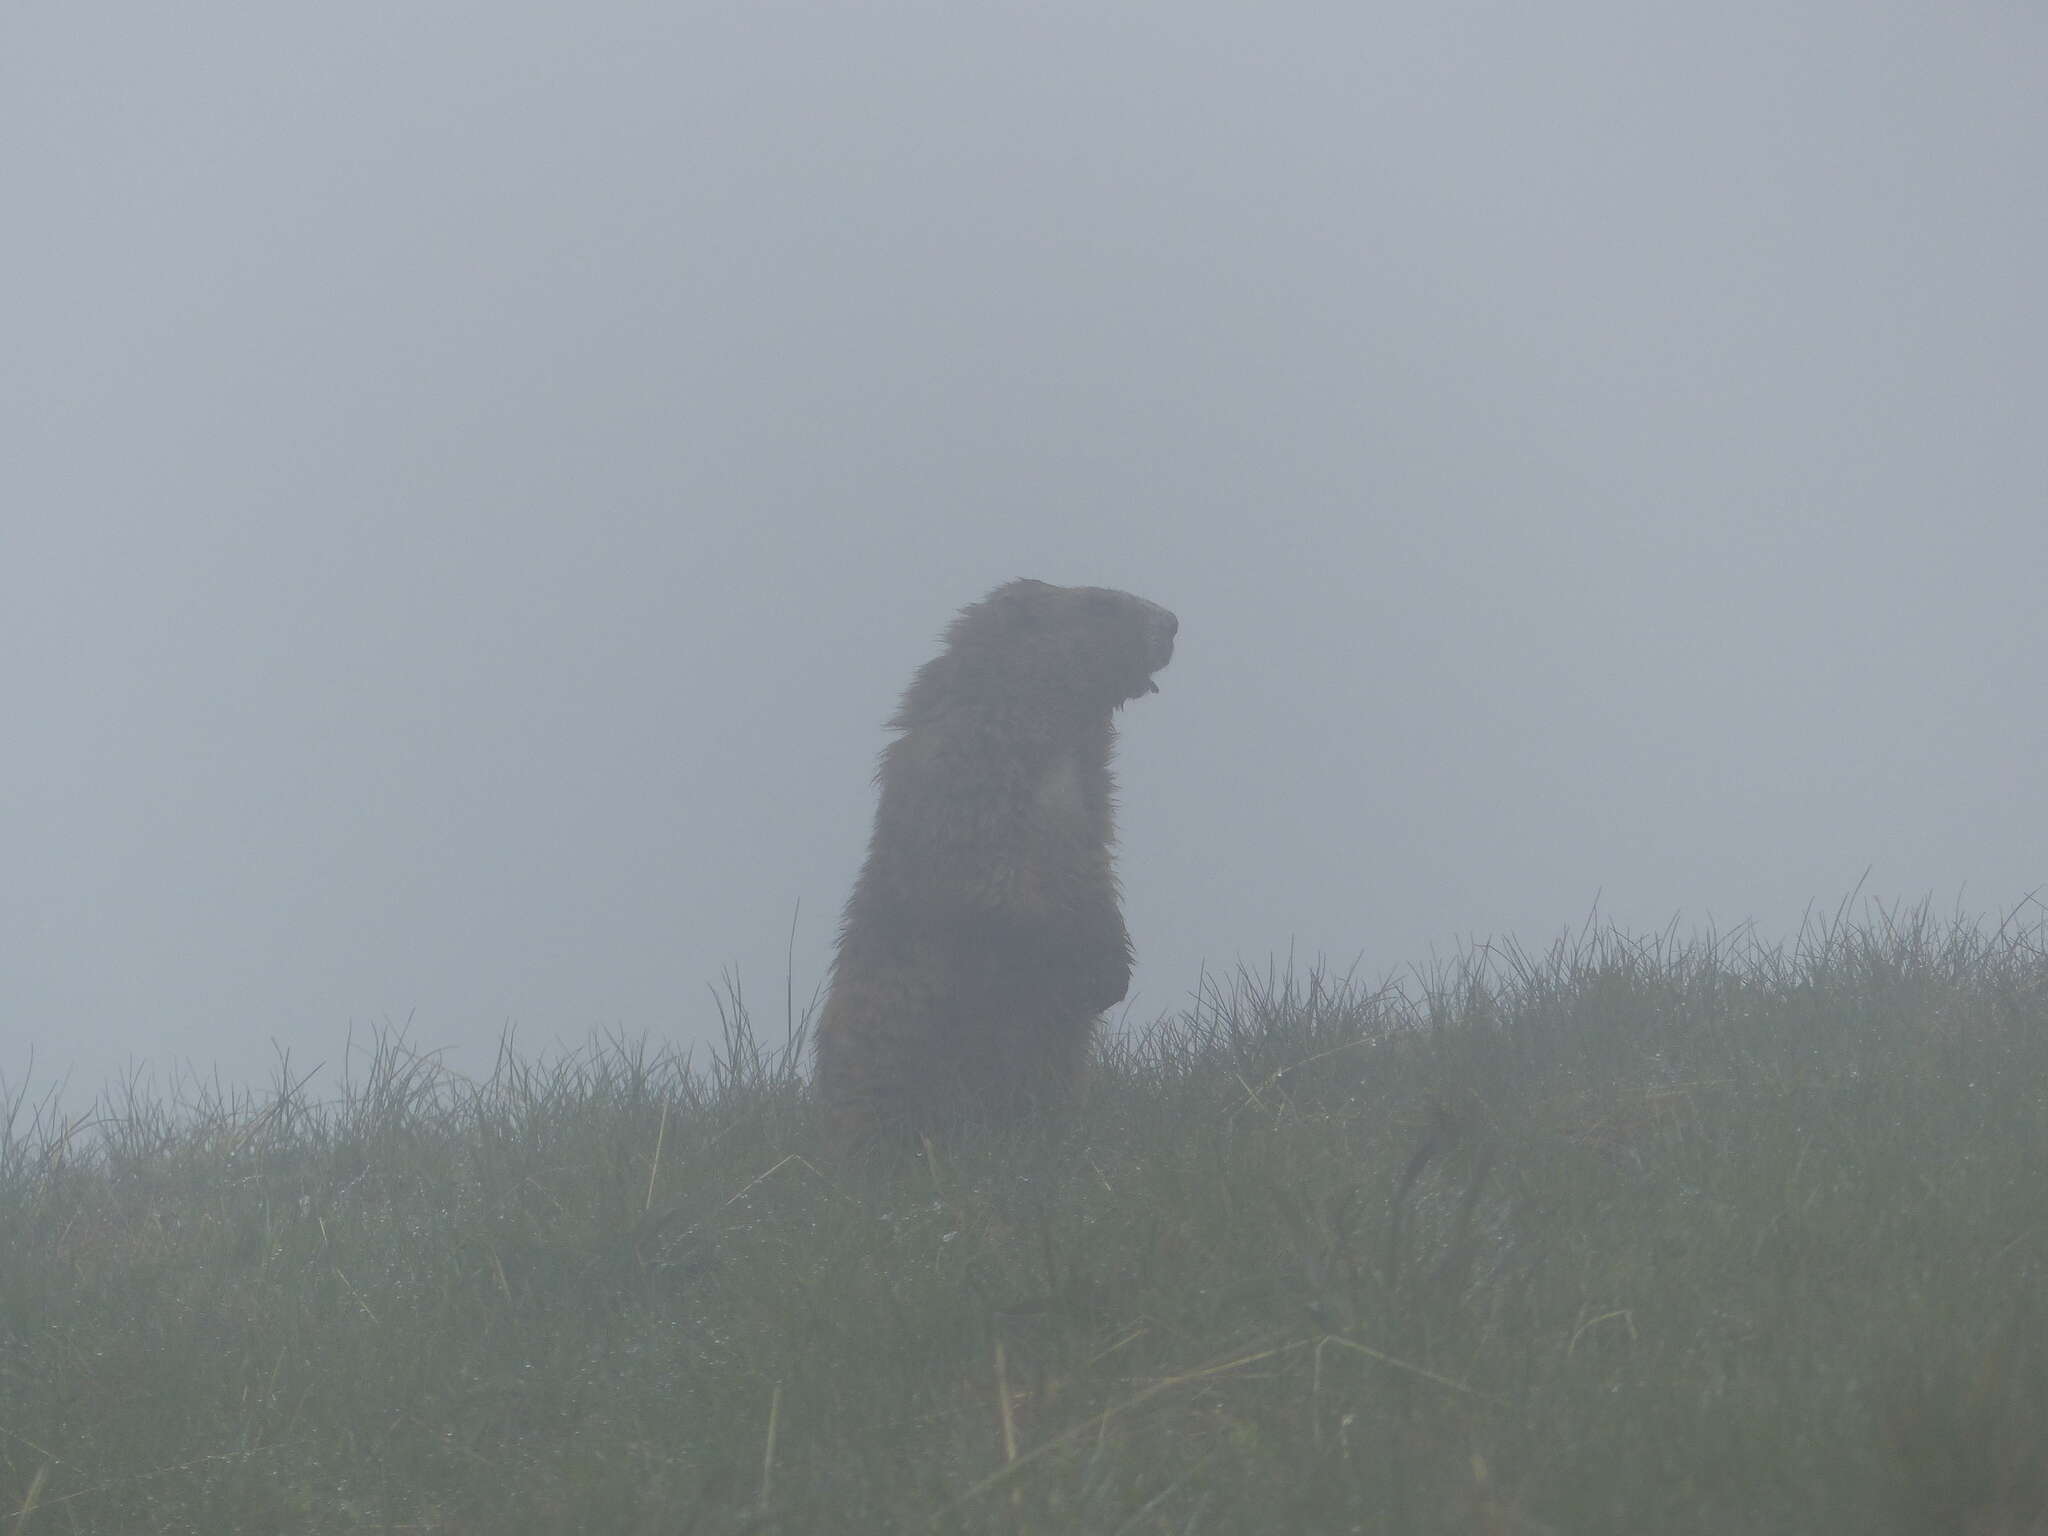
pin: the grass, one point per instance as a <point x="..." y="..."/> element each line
<point x="1634" y="1235"/>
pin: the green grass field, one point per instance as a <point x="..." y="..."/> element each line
<point x="1636" y="1235"/>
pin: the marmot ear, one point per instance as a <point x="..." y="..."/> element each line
<point x="1022" y="601"/>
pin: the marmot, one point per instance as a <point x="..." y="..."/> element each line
<point x="983" y="937"/>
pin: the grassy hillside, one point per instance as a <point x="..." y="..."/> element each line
<point x="1631" y="1236"/>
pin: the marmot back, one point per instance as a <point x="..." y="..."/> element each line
<point x="983" y="938"/>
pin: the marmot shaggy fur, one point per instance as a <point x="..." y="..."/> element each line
<point x="983" y="938"/>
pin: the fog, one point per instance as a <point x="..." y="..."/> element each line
<point x="477" y="477"/>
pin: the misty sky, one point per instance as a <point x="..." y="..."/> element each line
<point x="477" y="476"/>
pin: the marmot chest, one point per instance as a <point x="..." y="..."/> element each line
<point x="1068" y="804"/>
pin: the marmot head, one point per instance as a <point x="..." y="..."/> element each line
<point x="1071" y="650"/>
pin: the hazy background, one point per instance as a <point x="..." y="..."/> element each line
<point x="477" y="475"/>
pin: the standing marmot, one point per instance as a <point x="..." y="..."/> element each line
<point x="983" y="939"/>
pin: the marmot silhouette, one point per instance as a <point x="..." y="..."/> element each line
<point x="983" y="938"/>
